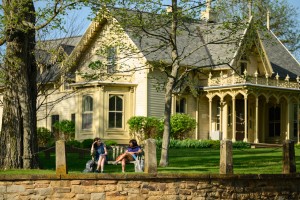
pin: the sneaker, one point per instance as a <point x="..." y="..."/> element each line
<point x="115" y="163"/>
<point x="96" y="171"/>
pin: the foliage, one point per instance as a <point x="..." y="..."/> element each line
<point x="43" y="136"/>
<point x="73" y="143"/>
<point x="182" y="125"/>
<point x="201" y="144"/>
<point x="110" y="143"/>
<point x="143" y="128"/>
<point x="65" y="129"/>
<point x="240" y="145"/>
<point x="87" y="143"/>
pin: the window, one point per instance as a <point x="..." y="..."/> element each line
<point x="111" y="59"/>
<point x="274" y="121"/>
<point x="87" y="112"/>
<point x="181" y="105"/>
<point x="54" y="118"/>
<point x="295" y="120"/>
<point x="243" y="67"/>
<point x="73" y="117"/>
<point x="115" y="118"/>
<point x="229" y="116"/>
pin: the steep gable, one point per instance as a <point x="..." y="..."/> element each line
<point x="282" y="61"/>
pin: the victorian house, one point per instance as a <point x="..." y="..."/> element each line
<point x="246" y="90"/>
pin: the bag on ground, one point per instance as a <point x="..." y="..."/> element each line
<point x="90" y="166"/>
<point x="139" y="165"/>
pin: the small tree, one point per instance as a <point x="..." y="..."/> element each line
<point x="66" y="130"/>
<point x="182" y="125"/>
<point x="143" y="128"/>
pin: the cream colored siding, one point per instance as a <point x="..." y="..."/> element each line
<point x="62" y="104"/>
<point x="203" y="124"/>
<point x="155" y="98"/>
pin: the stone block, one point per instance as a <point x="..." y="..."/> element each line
<point x="150" y="156"/>
<point x="226" y="161"/>
<point x="15" y="189"/>
<point x="61" y="157"/>
<point x="98" y="196"/>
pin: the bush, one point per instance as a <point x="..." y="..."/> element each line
<point x="182" y="125"/>
<point x="73" y="143"/>
<point x="44" y="136"/>
<point x="110" y="143"/>
<point x="143" y="128"/>
<point x="241" y="145"/>
<point x="87" y="143"/>
<point x="201" y="144"/>
<point x="65" y="128"/>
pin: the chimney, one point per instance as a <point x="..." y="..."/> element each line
<point x="209" y="15"/>
<point x="268" y="20"/>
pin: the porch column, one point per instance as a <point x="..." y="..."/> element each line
<point x="298" y="122"/>
<point x="245" y="119"/>
<point x="256" y="121"/>
<point x="210" y="113"/>
<point x="233" y="120"/>
<point x="288" y="120"/>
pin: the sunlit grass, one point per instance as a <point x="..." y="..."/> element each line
<point x="201" y="161"/>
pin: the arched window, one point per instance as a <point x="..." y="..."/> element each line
<point x="87" y="112"/>
<point x="181" y="105"/>
<point x="115" y="116"/>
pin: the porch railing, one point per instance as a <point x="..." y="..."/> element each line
<point x="224" y="79"/>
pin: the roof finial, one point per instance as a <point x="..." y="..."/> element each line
<point x="250" y="8"/>
<point x="268" y="20"/>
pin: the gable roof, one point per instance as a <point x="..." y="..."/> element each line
<point x="200" y="44"/>
<point x="281" y="60"/>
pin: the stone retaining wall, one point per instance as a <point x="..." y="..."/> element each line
<point x="149" y="186"/>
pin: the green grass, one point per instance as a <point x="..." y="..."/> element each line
<point x="202" y="161"/>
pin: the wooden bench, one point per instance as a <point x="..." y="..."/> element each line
<point x="114" y="151"/>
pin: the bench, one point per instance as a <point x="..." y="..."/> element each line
<point x="114" y="151"/>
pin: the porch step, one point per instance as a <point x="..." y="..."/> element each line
<point x="264" y="145"/>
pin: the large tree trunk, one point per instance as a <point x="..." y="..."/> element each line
<point x="18" y="134"/>
<point x="164" y="159"/>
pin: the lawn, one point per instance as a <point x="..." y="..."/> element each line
<point x="203" y="161"/>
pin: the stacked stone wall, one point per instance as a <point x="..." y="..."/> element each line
<point x="149" y="186"/>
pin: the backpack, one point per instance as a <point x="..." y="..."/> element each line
<point x="90" y="166"/>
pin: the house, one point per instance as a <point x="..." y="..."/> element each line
<point x="245" y="86"/>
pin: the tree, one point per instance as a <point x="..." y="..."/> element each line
<point x="170" y="33"/>
<point x="19" y="25"/>
<point x="283" y="18"/>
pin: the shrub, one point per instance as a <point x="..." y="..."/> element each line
<point x="73" y="143"/>
<point x="240" y="145"/>
<point x="190" y="143"/>
<point x="44" y="136"/>
<point x="182" y="125"/>
<point x="143" y="128"/>
<point x="66" y="129"/>
<point x="87" y="143"/>
<point x="110" y="143"/>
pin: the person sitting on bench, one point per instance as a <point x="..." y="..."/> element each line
<point x="98" y="150"/>
<point x="129" y="155"/>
